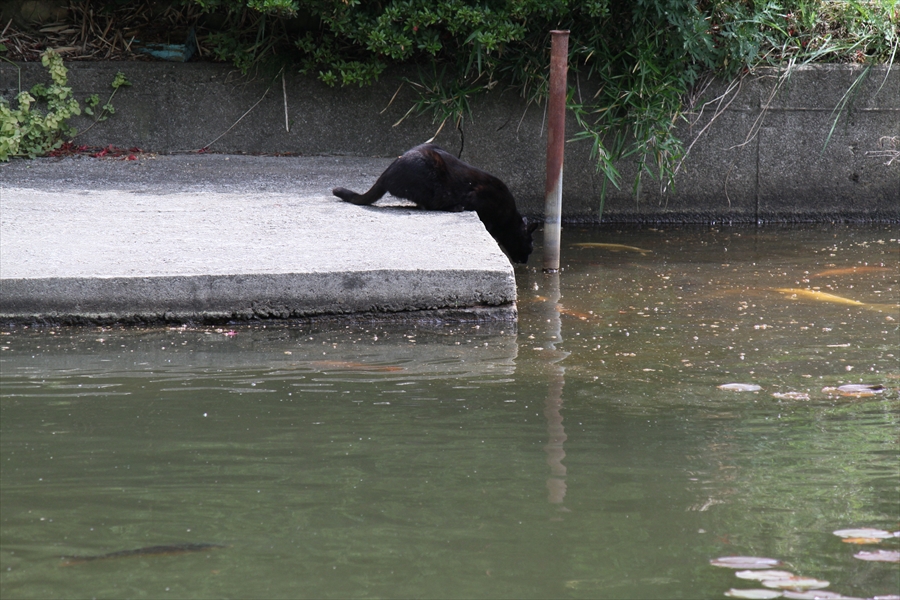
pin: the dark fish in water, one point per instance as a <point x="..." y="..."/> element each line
<point x="613" y="247"/>
<point x="148" y="551"/>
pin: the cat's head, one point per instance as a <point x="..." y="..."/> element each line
<point x="517" y="241"/>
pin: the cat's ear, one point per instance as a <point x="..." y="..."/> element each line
<point x="530" y="228"/>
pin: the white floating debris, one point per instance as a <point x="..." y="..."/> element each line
<point x="796" y="583"/>
<point x="863" y="532"/>
<point x="791" y="395"/>
<point x="761" y="575"/>
<point x="892" y="556"/>
<point x="739" y="387"/>
<point x="855" y="390"/>
<point x="860" y="387"/>
<point x="758" y="594"/>
<point x="745" y="562"/>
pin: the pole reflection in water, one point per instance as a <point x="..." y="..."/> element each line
<point x="553" y="356"/>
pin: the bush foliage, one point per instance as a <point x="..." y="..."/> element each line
<point x="634" y="64"/>
<point x="643" y="57"/>
<point x="38" y="122"/>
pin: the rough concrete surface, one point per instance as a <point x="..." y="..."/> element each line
<point x="215" y="237"/>
<point x="775" y="146"/>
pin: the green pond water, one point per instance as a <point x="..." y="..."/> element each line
<point x="585" y="452"/>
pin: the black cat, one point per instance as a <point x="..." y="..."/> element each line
<point x="437" y="180"/>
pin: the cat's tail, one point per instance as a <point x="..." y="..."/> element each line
<point x="369" y="197"/>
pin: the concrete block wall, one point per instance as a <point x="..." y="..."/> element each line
<point x="762" y="158"/>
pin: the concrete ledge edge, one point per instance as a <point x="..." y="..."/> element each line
<point x="503" y="314"/>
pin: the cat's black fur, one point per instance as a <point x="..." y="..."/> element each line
<point x="437" y="180"/>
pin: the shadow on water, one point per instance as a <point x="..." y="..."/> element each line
<point x="588" y="452"/>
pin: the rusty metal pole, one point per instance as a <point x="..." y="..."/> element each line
<point x="556" y="139"/>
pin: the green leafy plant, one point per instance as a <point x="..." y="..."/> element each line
<point x="634" y="63"/>
<point x="29" y="131"/>
<point x="39" y="122"/>
<point x="92" y="101"/>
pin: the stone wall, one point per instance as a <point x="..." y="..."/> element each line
<point x="758" y="155"/>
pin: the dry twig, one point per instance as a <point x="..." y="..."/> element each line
<point x="84" y="34"/>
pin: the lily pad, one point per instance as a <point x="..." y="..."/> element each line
<point x="739" y="387"/>
<point x="891" y="556"/>
<point x="796" y="583"/>
<point x="863" y="532"/>
<point x="761" y="575"/>
<point x="757" y="594"/>
<point x="745" y="562"/>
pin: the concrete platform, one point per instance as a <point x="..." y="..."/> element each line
<point x="215" y="238"/>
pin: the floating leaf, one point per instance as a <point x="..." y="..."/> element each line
<point x="791" y="395"/>
<point x="892" y="556"/>
<point x="757" y="594"/>
<point x="740" y="387"/>
<point x="796" y="583"/>
<point x="864" y="532"/>
<point x="761" y="575"/>
<point x="745" y="562"/>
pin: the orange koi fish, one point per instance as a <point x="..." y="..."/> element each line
<point x="850" y="271"/>
<point x="820" y="296"/>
